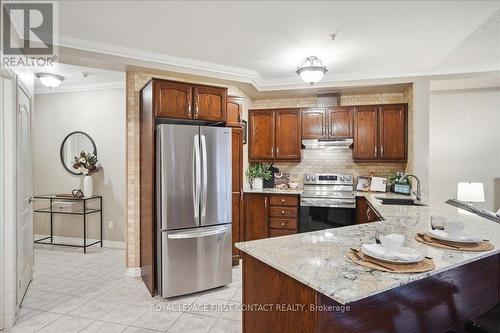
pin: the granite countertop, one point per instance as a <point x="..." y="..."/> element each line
<point x="318" y="259"/>
<point x="273" y="191"/>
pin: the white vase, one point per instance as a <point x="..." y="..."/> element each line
<point x="257" y="183"/>
<point x="88" y="186"/>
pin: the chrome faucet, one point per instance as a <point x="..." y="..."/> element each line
<point x="418" y="194"/>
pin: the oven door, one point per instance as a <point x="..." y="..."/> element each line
<point x="318" y="214"/>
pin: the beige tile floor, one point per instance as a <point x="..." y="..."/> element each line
<point x="76" y="292"/>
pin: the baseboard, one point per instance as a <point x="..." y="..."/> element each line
<point x="72" y="240"/>
<point x="133" y="272"/>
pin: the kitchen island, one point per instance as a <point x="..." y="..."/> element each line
<point x="305" y="282"/>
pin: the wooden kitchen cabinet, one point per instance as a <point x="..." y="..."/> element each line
<point x="380" y="133"/>
<point x="237" y="190"/>
<point x="209" y="103"/>
<point x="392" y="132"/>
<point x="274" y="135"/>
<point x="261" y="135"/>
<point x="179" y="100"/>
<point x="340" y="123"/>
<point x="365" y="133"/>
<point x="287" y="134"/>
<point x="173" y="99"/>
<point x="270" y="215"/>
<point x="327" y="123"/>
<point x="234" y="111"/>
<point x="365" y="212"/>
<point x="314" y="124"/>
<point x="256" y="216"/>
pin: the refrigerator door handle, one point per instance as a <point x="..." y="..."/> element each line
<point x="197" y="234"/>
<point x="196" y="176"/>
<point x="205" y="176"/>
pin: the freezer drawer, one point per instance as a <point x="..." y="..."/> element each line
<point x="195" y="259"/>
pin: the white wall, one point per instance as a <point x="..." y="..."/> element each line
<point x="465" y="142"/>
<point x="101" y="114"/>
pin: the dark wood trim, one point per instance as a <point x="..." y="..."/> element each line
<point x="147" y="188"/>
<point x="435" y="304"/>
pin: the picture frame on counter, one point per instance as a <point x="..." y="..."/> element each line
<point x="363" y="183"/>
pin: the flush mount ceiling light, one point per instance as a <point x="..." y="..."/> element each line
<point x="311" y="70"/>
<point x="50" y="80"/>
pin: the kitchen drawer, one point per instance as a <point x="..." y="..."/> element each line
<point x="284" y="212"/>
<point x="284" y="200"/>
<point x="290" y="224"/>
<point x="280" y="232"/>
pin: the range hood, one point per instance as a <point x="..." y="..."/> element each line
<point x="327" y="144"/>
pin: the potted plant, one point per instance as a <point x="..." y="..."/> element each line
<point x="256" y="174"/>
<point x="86" y="163"/>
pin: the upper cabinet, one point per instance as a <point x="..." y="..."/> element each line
<point x="274" y="135"/>
<point x="234" y="111"/>
<point x="173" y="99"/>
<point x="340" y="123"/>
<point x="261" y="135"/>
<point x="380" y="133"/>
<point x="314" y="123"/>
<point x="180" y="100"/>
<point x="327" y="123"/>
<point x="209" y="103"/>
<point x="287" y="134"/>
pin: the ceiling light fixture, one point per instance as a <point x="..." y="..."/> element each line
<point x="50" y="80"/>
<point x="311" y="70"/>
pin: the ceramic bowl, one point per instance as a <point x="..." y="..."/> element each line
<point x="293" y="185"/>
<point x="392" y="242"/>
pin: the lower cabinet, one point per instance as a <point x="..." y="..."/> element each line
<point x="270" y="215"/>
<point x="365" y="213"/>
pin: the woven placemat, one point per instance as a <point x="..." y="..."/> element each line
<point x="473" y="247"/>
<point x="358" y="257"/>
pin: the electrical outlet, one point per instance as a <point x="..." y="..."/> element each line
<point x="110" y="224"/>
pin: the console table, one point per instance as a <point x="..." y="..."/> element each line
<point x="84" y="213"/>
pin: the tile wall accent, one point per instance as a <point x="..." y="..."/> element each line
<point x="135" y="82"/>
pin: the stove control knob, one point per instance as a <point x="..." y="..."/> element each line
<point x="308" y="178"/>
<point x="348" y="178"/>
<point x="313" y="178"/>
<point x="342" y="178"/>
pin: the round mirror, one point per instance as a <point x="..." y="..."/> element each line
<point x="73" y="144"/>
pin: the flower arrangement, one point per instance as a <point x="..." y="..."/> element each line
<point x="86" y="163"/>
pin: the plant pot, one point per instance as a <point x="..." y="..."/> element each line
<point x="88" y="186"/>
<point x="257" y="183"/>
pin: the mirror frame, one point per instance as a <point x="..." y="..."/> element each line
<point x="62" y="146"/>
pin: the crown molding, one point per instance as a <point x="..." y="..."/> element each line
<point x="82" y="87"/>
<point x="218" y="71"/>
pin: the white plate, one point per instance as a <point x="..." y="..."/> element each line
<point x="405" y="256"/>
<point x="443" y="235"/>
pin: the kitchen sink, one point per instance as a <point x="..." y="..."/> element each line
<point x="400" y="201"/>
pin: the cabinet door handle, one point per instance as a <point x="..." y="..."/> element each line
<point x="283" y="200"/>
<point x="272" y="151"/>
<point x="188" y="111"/>
<point x="368" y="214"/>
<point x="196" y="105"/>
<point x="283" y="212"/>
<point x="375" y="151"/>
<point x="282" y="224"/>
<point x="265" y="202"/>
<point x="381" y="150"/>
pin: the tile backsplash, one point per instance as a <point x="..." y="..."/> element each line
<point x="335" y="161"/>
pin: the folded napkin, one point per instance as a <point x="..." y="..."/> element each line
<point x="405" y="254"/>
<point x="442" y="234"/>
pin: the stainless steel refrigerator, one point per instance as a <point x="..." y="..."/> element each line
<point x="193" y="167"/>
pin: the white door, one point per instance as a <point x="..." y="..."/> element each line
<point x="24" y="194"/>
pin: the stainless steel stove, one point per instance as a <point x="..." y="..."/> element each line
<point x="328" y="201"/>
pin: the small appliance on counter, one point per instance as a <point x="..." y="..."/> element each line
<point x="270" y="183"/>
